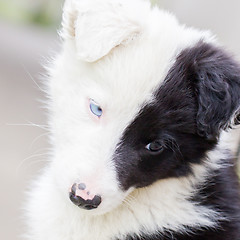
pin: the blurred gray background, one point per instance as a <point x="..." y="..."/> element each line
<point x="28" y="36"/>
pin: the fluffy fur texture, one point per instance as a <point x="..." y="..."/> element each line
<point x="156" y="81"/>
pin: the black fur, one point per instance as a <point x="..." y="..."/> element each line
<point x="220" y="192"/>
<point x="196" y="101"/>
<point x="198" y="98"/>
<point x="216" y="81"/>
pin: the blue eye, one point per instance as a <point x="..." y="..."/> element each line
<point x="95" y="108"/>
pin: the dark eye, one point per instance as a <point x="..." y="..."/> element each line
<point x="237" y="119"/>
<point x="155" y="146"/>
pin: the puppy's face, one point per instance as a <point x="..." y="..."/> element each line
<point x="144" y="107"/>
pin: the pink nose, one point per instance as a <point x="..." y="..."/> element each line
<point x="83" y="198"/>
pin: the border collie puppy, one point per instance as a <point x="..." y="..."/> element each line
<point x="139" y="111"/>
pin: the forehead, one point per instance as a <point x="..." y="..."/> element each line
<point x="125" y="80"/>
<point x="131" y="73"/>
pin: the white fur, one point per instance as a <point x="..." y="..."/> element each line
<point x="99" y="26"/>
<point x="121" y="81"/>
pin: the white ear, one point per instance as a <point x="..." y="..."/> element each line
<point x="100" y="25"/>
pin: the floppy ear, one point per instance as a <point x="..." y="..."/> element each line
<point x="217" y="88"/>
<point x="100" y="25"/>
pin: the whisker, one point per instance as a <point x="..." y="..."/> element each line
<point x="37" y="138"/>
<point x="30" y="124"/>
<point x="39" y="161"/>
<point x="173" y="145"/>
<point x="47" y="150"/>
<point x="31" y="77"/>
<point x="26" y="159"/>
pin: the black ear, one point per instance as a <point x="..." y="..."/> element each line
<point x="215" y="78"/>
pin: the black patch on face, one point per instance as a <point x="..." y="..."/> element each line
<point x="196" y="101"/>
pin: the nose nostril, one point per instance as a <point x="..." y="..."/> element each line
<point x="82" y="186"/>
